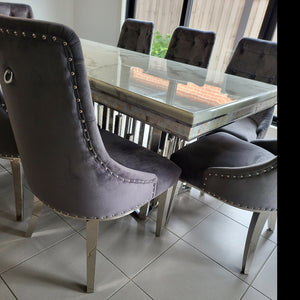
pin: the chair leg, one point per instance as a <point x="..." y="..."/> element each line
<point x="175" y="191"/>
<point x="144" y="210"/>
<point x="18" y="188"/>
<point x="91" y="251"/>
<point x="272" y="221"/>
<point x="36" y="212"/>
<point x="257" y="223"/>
<point x="163" y="204"/>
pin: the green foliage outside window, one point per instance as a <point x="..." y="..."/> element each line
<point x="160" y="44"/>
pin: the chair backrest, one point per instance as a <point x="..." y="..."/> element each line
<point x="136" y="35"/>
<point x="16" y="10"/>
<point x="256" y="59"/>
<point x="191" y="46"/>
<point x="48" y="97"/>
<point x="8" y="146"/>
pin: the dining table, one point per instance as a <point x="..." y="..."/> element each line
<point x="182" y="100"/>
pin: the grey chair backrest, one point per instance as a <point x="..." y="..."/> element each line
<point x="256" y="59"/>
<point x="191" y="46"/>
<point x="48" y="97"/>
<point x="136" y="35"/>
<point x="8" y="146"/>
<point x="16" y="10"/>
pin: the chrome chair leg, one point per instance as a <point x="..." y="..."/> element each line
<point x="272" y="221"/>
<point x="36" y="212"/>
<point x="163" y="204"/>
<point x="91" y="251"/>
<point x="18" y="188"/>
<point x="257" y="223"/>
<point x="175" y="190"/>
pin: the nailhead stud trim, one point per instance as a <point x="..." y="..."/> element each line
<point x="86" y="136"/>
<point x="257" y="173"/>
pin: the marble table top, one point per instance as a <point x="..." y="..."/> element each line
<point x="186" y="94"/>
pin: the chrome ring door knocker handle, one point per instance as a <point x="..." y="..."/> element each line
<point x="8" y="76"/>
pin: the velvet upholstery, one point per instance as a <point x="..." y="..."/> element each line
<point x="237" y="172"/>
<point x="65" y="161"/>
<point x="16" y="10"/>
<point x="191" y="46"/>
<point x="254" y="59"/>
<point x="136" y="35"/>
<point x="222" y="153"/>
<point x="137" y="157"/>
<point x="8" y="147"/>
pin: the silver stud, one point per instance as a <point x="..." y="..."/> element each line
<point x="34" y="35"/>
<point x="54" y="38"/>
<point x="65" y="43"/>
<point x="75" y="87"/>
<point x="23" y="33"/>
<point x="70" y="59"/>
<point x="44" y="37"/>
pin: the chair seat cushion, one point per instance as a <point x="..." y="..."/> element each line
<point x="216" y="150"/>
<point x="139" y="158"/>
<point x="245" y="129"/>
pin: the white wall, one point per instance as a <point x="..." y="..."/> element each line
<point x="61" y="11"/>
<point x="97" y="20"/>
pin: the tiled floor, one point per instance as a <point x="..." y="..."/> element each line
<point x="198" y="255"/>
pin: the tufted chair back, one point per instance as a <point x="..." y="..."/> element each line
<point x="254" y="59"/>
<point x="16" y="10"/>
<point x="136" y="35"/>
<point x="47" y="93"/>
<point x="191" y="46"/>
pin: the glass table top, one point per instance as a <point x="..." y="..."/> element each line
<point x="187" y="93"/>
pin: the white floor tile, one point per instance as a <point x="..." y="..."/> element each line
<point x="223" y="240"/>
<point x="186" y="214"/>
<point x="253" y="294"/>
<point x="130" y="292"/>
<point x="60" y="273"/>
<point x="5" y="293"/>
<point x="14" y="246"/>
<point x="266" y="281"/>
<point x="132" y="244"/>
<point x="183" y="272"/>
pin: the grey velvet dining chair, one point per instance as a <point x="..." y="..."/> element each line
<point x="191" y="46"/>
<point x="66" y="161"/>
<point x="254" y="59"/>
<point x="237" y="172"/>
<point x="136" y="35"/>
<point x="8" y="147"/>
